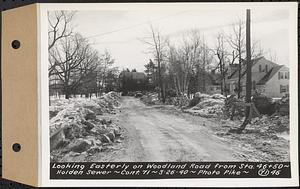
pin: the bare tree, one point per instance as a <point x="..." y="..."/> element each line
<point x="175" y="69"/>
<point x="74" y="60"/>
<point x="59" y="27"/>
<point x="206" y="60"/>
<point x="222" y="56"/>
<point x="272" y="56"/>
<point x="256" y="49"/>
<point x="183" y="59"/>
<point x="157" y="46"/>
<point x="106" y="62"/>
<point x="237" y="42"/>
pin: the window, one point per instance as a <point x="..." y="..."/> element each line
<point x="280" y="75"/>
<point x="253" y="85"/>
<point x="266" y="68"/>
<point x="259" y="68"/>
<point x="286" y="75"/>
<point x="284" y="88"/>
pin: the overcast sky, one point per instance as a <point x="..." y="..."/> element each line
<point x="119" y="31"/>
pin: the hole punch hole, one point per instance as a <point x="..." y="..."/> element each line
<point x="16" y="147"/>
<point x="16" y="44"/>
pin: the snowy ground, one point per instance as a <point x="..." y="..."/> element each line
<point x="82" y="127"/>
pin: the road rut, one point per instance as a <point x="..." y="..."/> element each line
<point x="154" y="135"/>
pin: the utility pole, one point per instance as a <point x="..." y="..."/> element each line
<point x="249" y="73"/>
<point x="248" y="59"/>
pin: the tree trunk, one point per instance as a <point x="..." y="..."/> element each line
<point x="160" y="81"/>
<point x="239" y="78"/>
<point x="67" y="95"/>
<point x="225" y="89"/>
<point x="185" y="83"/>
<point x="222" y="76"/>
<point x="175" y="85"/>
<point x="204" y="81"/>
<point x="178" y="84"/>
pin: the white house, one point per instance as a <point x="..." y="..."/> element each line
<point x="268" y="78"/>
<point x="276" y="82"/>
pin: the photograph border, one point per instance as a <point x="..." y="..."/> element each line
<point x="44" y="160"/>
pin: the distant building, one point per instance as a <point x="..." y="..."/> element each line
<point x="132" y="81"/>
<point x="268" y="78"/>
<point x="214" y="84"/>
<point x="137" y="76"/>
<point x="205" y="82"/>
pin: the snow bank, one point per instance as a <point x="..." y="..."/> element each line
<point x="209" y="102"/>
<point x="218" y="96"/>
<point x="105" y="104"/>
<point x="271" y="124"/>
<point x="208" y="105"/>
<point x="76" y="128"/>
<point x="202" y="95"/>
<point x="205" y="105"/>
<point x="150" y="98"/>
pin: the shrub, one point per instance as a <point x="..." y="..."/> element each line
<point x="194" y="101"/>
<point x="171" y="93"/>
<point x="138" y="95"/>
<point x="264" y="104"/>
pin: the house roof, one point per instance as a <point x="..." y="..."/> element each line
<point x="133" y="75"/>
<point x="215" y="78"/>
<point x="269" y="75"/>
<point x="235" y="74"/>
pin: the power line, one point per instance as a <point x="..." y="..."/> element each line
<point x="170" y="34"/>
<point x="180" y="32"/>
<point x="135" y="25"/>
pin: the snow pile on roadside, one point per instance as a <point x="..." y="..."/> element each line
<point x="91" y="104"/>
<point x="53" y="110"/>
<point x="271" y="124"/>
<point x="76" y="128"/>
<point x="60" y="102"/>
<point x="205" y="106"/>
<point x="264" y="139"/>
<point x="70" y="116"/>
<point x="218" y="96"/>
<point x="150" y="98"/>
<point x="209" y="103"/>
<point x="202" y="96"/>
<point x="208" y="106"/>
<point x="109" y="102"/>
<point x="181" y="101"/>
<point x="104" y="104"/>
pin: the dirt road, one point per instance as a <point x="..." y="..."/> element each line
<point x="154" y="135"/>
